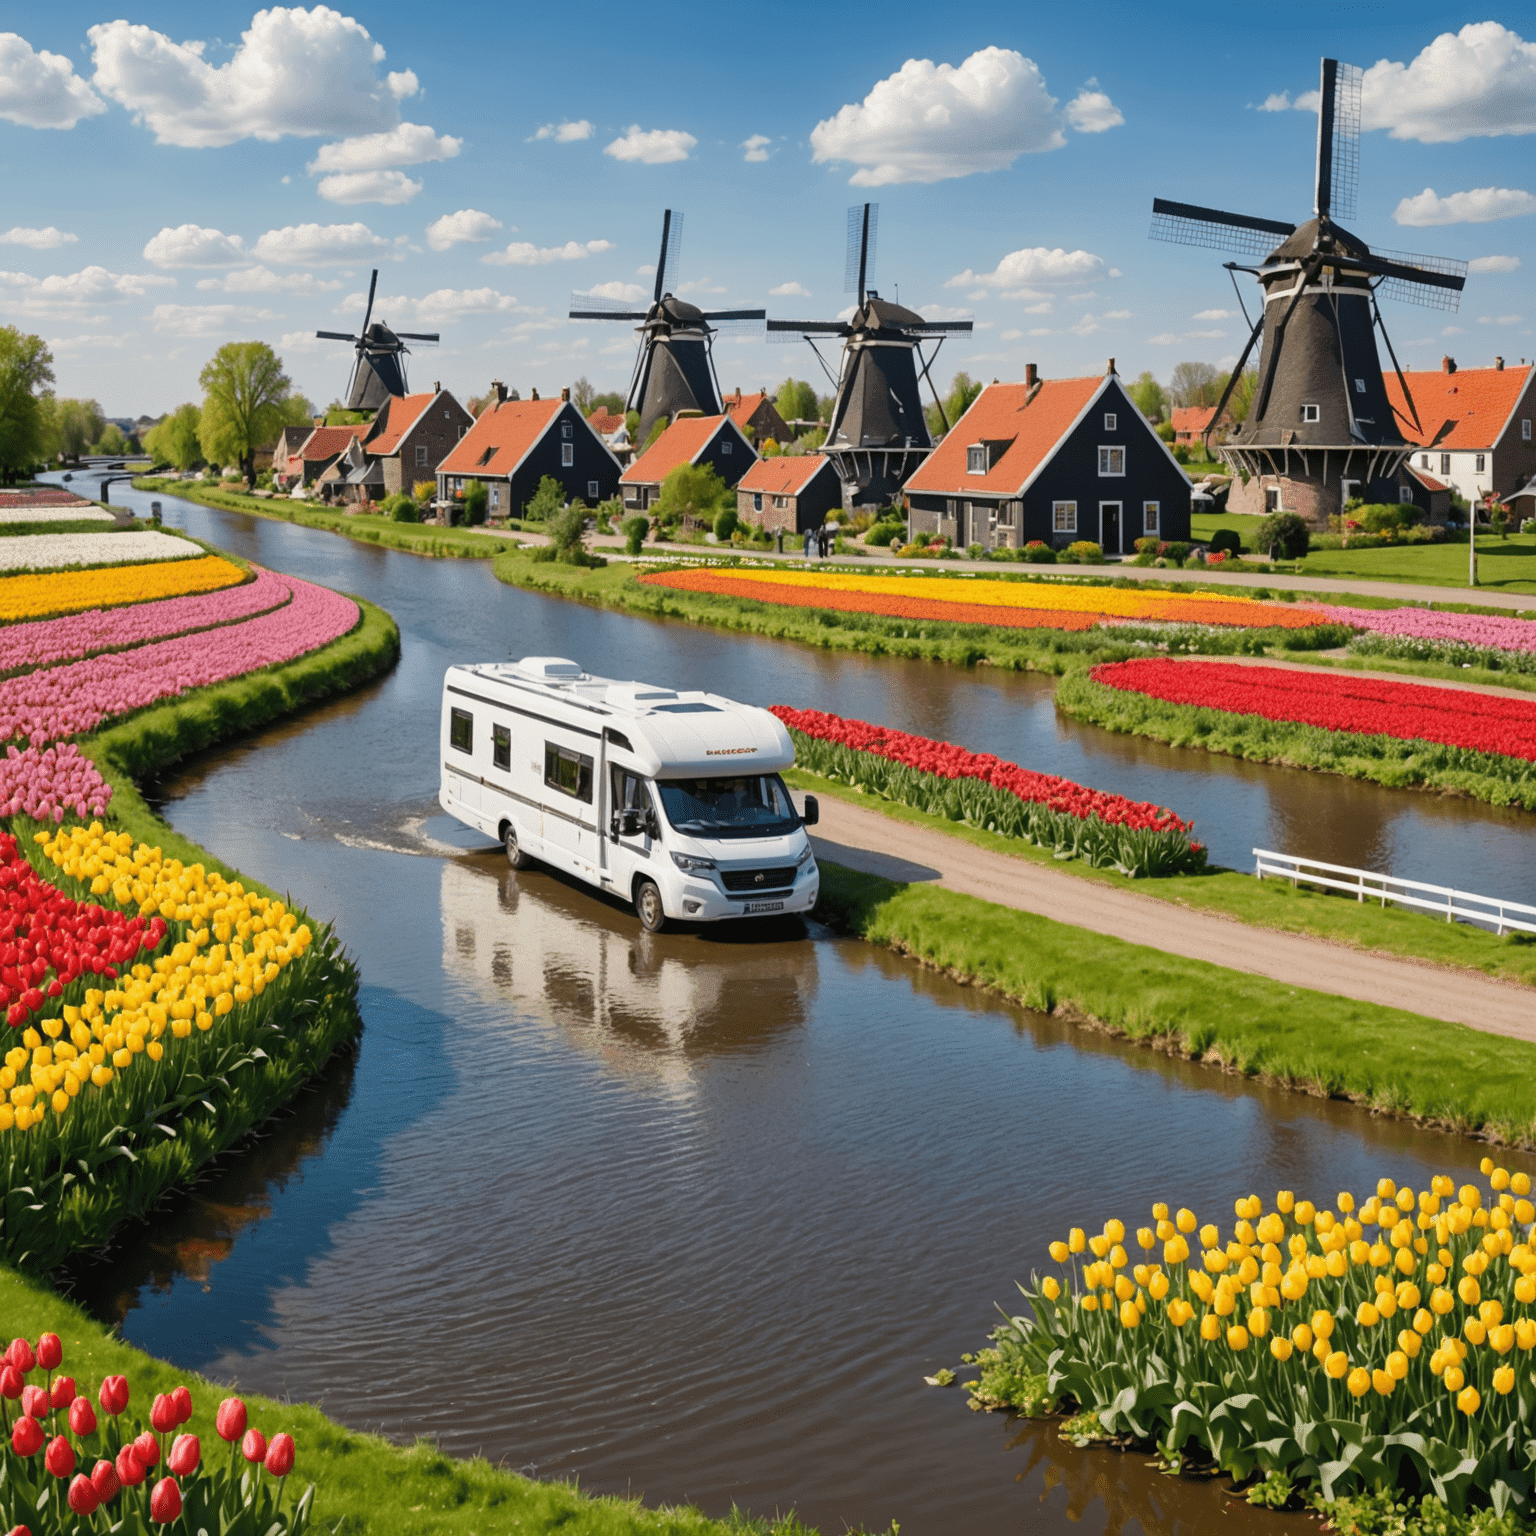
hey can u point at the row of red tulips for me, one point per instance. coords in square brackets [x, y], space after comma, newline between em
[56, 1435]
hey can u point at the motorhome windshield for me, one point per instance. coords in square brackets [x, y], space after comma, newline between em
[754, 806]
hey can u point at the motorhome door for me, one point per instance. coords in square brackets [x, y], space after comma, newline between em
[631, 825]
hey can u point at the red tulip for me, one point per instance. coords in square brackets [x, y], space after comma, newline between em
[107, 1482]
[129, 1468]
[230, 1419]
[82, 1417]
[59, 1458]
[20, 1355]
[253, 1447]
[147, 1449]
[114, 1394]
[182, 1400]
[21, 1530]
[163, 1414]
[83, 1498]
[34, 1402]
[280, 1455]
[27, 1436]
[186, 1452]
[165, 1502]
[62, 1393]
[10, 1381]
[49, 1351]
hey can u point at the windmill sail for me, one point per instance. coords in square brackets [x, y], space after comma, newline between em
[379, 371]
[1338, 140]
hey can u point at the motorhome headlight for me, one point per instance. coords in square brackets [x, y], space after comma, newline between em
[805, 853]
[687, 863]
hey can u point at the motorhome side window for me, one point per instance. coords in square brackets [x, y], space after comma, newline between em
[569, 772]
[501, 747]
[461, 730]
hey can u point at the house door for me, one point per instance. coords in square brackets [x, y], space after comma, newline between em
[1109, 527]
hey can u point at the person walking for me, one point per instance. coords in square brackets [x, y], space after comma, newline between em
[810, 544]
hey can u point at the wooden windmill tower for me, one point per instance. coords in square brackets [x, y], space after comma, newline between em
[675, 366]
[1320, 428]
[878, 435]
[380, 368]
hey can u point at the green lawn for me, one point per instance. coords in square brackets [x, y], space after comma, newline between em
[1503, 564]
[1203, 524]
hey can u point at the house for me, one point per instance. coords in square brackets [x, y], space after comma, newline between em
[758, 417]
[1522, 503]
[795, 492]
[1489, 414]
[412, 435]
[355, 477]
[713, 440]
[319, 451]
[514, 443]
[1051, 459]
[1432, 497]
[605, 422]
[1191, 421]
[287, 468]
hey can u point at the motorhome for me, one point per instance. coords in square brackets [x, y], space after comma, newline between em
[669, 800]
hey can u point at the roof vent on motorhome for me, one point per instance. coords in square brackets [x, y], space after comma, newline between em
[550, 669]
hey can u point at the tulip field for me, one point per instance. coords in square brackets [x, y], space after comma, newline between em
[1104, 830]
[1384, 1340]
[54, 592]
[43, 551]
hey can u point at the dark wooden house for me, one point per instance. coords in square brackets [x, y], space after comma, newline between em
[758, 417]
[413, 434]
[713, 440]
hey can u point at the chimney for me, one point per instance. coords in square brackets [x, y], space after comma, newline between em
[1111, 367]
[565, 395]
[499, 390]
[1498, 363]
[533, 394]
[437, 386]
[1448, 365]
[1030, 376]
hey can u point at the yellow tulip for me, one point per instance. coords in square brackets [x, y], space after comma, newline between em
[1201, 1285]
[1454, 1378]
[1469, 1401]
[1322, 1324]
[1504, 1381]
[1383, 1381]
[1337, 1364]
[1224, 1305]
[1525, 1333]
[1124, 1290]
[1441, 1301]
[1088, 1302]
[1209, 1236]
[1301, 1337]
[1469, 1290]
[1179, 1312]
[1410, 1343]
[1186, 1220]
[1114, 1230]
[1304, 1213]
[1258, 1322]
[1280, 1347]
[1520, 1183]
[1367, 1315]
[1210, 1327]
[1076, 1242]
[1098, 1245]
[1475, 1330]
[1058, 1252]
[1160, 1211]
[1146, 1237]
[1157, 1285]
[1050, 1288]
[1237, 1338]
[1118, 1256]
[1175, 1251]
[1285, 1202]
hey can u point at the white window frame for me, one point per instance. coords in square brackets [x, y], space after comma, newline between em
[567, 455]
[495, 491]
[594, 490]
[757, 501]
[1424, 461]
[1445, 463]
[1151, 517]
[421, 455]
[1109, 455]
[565, 430]
[1359, 386]
[726, 446]
[1272, 490]
[1111, 422]
[1404, 493]
[1311, 413]
[1063, 517]
[976, 459]
[1482, 463]
[780, 502]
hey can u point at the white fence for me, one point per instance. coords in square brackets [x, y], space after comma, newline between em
[1363, 884]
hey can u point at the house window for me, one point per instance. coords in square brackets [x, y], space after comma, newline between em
[1111, 461]
[1525, 429]
[565, 429]
[1111, 421]
[421, 455]
[1311, 413]
[1359, 386]
[495, 496]
[594, 490]
[487, 456]
[976, 460]
[567, 455]
[757, 501]
[726, 447]
[569, 772]
[780, 502]
[1445, 463]
[1149, 510]
[501, 748]
[949, 509]
[1482, 462]
[462, 431]
[1271, 498]
[1405, 493]
[1064, 516]
[461, 730]
[1424, 462]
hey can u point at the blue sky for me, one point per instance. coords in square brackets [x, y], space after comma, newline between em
[178, 176]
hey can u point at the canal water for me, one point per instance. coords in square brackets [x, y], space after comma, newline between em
[691, 1216]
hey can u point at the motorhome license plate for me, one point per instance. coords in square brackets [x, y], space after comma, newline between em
[762, 906]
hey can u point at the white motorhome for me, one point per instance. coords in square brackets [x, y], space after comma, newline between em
[669, 800]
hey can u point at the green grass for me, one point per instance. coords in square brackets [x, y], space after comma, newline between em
[1507, 565]
[1203, 524]
[1387, 1059]
[74, 525]
[369, 528]
[365, 1484]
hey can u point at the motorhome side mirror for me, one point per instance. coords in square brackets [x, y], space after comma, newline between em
[812, 813]
[629, 823]
[652, 826]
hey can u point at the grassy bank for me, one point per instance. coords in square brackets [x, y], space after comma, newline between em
[1385, 1059]
[369, 528]
[1508, 565]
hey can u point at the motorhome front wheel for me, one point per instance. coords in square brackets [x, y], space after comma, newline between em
[648, 907]
[515, 855]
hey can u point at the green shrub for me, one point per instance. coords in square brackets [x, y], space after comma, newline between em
[1037, 552]
[1083, 552]
[975, 551]
[402, 509]
[1383, 517]
[884, 534]
[1177, 552]
[726, 523]
[1282, 535]
[1225, 541]
[634, 530]
[475, 499]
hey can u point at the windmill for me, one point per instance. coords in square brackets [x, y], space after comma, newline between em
[1320, 428]
[675, 366]
[878, 434]
[380, 368]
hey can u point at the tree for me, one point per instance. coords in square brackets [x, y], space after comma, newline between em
[76, 424]
[1241, 402]
[963, 390]
[796, 401]
[475, 498]
[173, 439]
[111, 442]
[582, 395]
[246, 396]
[612, 402]
[1149, 397]
[1283, 536]
[26, 382]
[565, 527]
[692, 490]
[1196, 384]
[547, 500]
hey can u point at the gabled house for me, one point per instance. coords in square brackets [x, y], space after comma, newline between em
[605, 422]
[514, 443]
[413, 434]
[1489, 447]
[1189, 423]
[319, 451]
[1051, 459]
[287, 466]
[758, 417]
[713, 440]
[1432, 497]
[355, 477]
[795, 492]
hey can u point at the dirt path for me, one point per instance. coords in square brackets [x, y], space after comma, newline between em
[874, 844]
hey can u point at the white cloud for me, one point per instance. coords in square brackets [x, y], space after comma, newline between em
[1177, 338]
[1012, 335]
[190, 245]
[523, 253]
[37, 239]
[1082, 298]
[325, 245]
[441, 306]
[1482, 205]
[402, 83]
[651, 146]
[565, 133]
[391, 187]
[66, 294]
[294, 72]
[756, 147]
[303, 341]
[65, 345]
[943, 312]
[1502, 320]
[265, 280]
[1276, 101]
[1214, 314]
[1164, 339]
[1476, 83]
[626, 293]
[928, 122]
[1033, 264]
[1093, 111]
[466, 227]
[206, 319]
[1042, 330]
[405, 144]
[699, 285]
[1117, 314]
[1494, 264]
[789, 291]
[646, 271]
[1044, 307]
[42, 90]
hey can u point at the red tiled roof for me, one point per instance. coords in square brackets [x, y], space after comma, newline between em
[1478, 400]
[1424, 480]
[999, 414]
[1192, 418]
[605, 422]
[404, 412]
[507, 430]
[324, 442]
[783, 475]
[681, 443]
[741, 408]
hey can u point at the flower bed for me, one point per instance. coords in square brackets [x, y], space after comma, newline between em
[74, 512]
[1386, 1341]
[34, 597]
[48, 550]
[45, 783]
[1107, 831]
[1483, 631]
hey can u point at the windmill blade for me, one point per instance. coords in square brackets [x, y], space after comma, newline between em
[1189, 224]
[1432, 282]
[418, 335]
[1397, 368]
[336, 336]
[808, 327]
[596, 306]
[941, 327]
[735, 314]
[1338, 140]
[372, 288]
[859, 264]
[671, 256]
